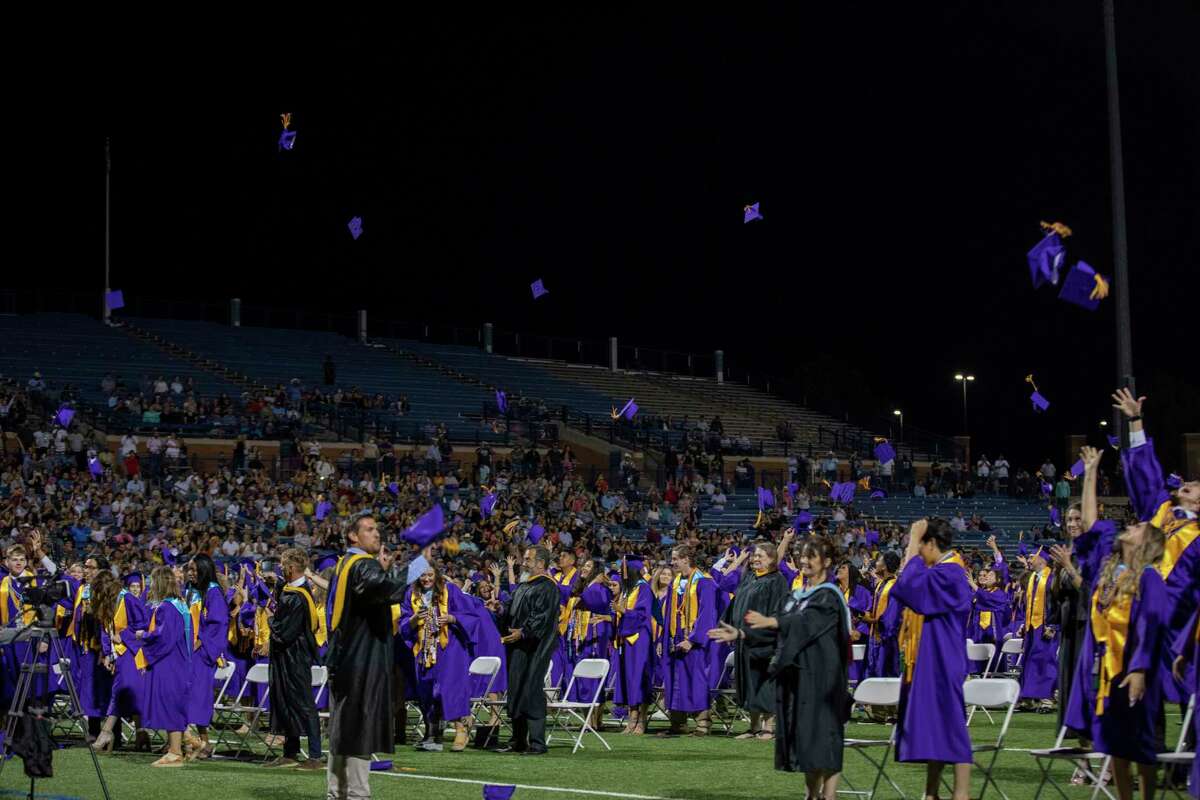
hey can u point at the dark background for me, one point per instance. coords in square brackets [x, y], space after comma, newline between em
[903, 157]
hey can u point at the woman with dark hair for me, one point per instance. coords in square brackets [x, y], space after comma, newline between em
[634, 684]
[934, 587]
[1071, 597]
[122, 615]
[858, 597]
[590, 627]
[167, 650]
[210, 633]
[883, 651]
[432, 624]
[809, 670]
[84, 633]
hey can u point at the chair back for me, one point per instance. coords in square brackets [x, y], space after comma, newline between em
[1013, 646]
[259, 673]
[994, 693]
[878, 692]
[859, 651]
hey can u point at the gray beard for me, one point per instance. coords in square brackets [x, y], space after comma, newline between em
[524, 576]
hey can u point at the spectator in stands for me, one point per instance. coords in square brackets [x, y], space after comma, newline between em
[330, 370]
[1048, 471]
[958, 523]
[919, 489]
[829, 467]
[1000, 474]
[1062, 494]
[176, 386]
[983, 471]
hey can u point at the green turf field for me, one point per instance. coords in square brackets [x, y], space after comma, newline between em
[715, 768]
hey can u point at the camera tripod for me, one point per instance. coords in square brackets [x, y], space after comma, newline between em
[37, 635]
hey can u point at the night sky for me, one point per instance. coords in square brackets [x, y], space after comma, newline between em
[903, 157]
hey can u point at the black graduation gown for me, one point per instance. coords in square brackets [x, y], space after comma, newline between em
[1074, 613]
[534, 609]
[293, 653]
[812, 698]
[755, 691]
[360, 663]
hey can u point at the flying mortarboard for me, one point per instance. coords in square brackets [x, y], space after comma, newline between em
[287, 140]
[64, 415]
[536, 533]
[792, 488]
[1040, 403]
[1174, 480]
[766, 498]
[538, 289]
[879, 494]
[842, 492]
[750, 212]
[1078, 468]
[803, 520]
[394, 488]
[511, 527]
[884, 452]
[95, 467]
[1084, 287]
[114, 300]
[1114, 441]
[1055, 517]
[501, 402]
[427, 528]
[872, 537]
[494, 791]
[487, 503]
[1046, 260]
[323, 509]
[628, 411]
[355, 226]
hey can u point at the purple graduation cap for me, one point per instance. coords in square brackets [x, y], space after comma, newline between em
[1046, 259]
[536, 533]
[792, 489]
[803, 520]
[95, 467]
[1114, 441]
[1040, 403]
[323, 509]
[766, 498]
[634, 565]
[1022, 550]
[168, 555]
[487, 503]
[842, 493]
[495, 791]
[884, 453]
[501, 402]
[628, 411]
[1174, 481]
[416, 568]
[287, 140]
[1046, 488]
[427, 528]
[325, 562]
[64, 415]
[355, 226]
[394, 488]
[1084, 287]
[114, 300]
[538, 289]
[872, 537]
[879, 494]
[1055, 517]
[134, 577]
[750, 212]
[382, 765]
[1078, 468]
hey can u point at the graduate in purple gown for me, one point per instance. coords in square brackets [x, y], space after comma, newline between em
[634, 686]
[124, 615]
[660, 586]
[483, 640]
[590, 630]
[727, 573]
[991, 614]
[859, 599]
[167, 650]
[1178, 516]
[93, 681]
[1126, 634]
[12, 615]
[883, 648]
[210, 633]
[430, 626]
[565, 577]
[936, 592]
[1187, 653]
[689, 614]
[1039, 664]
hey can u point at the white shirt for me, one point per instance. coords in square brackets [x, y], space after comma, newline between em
[229, 547]
[41, 438]
[1001, 468]
[128, 444]
[154, 445]
[60, 441]
[176, 387]
[160, 387]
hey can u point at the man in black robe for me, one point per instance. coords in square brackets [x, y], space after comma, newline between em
[294, 651]
[360, 661]
[762, 589]
[530, 626]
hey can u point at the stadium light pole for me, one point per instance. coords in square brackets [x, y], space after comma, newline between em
[107, 181]
[900, 414]
[964, 379]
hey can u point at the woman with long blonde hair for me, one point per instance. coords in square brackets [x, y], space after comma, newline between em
[167, 651]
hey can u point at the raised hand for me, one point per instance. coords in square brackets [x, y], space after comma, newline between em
[724, 633]
[1124, 400]
[1091, 457]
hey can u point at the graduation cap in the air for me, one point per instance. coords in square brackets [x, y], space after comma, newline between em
[791, 489]
[879, 494]
[538, 289]
[872, 537]
[884, 452]
[511, 526]
[1174, 481]
[803, 520]
[1078, 468]
[495, 791]
[501, 402]
[1046, 488]
[1046, 260]
[487, 503]
[766, 498]
[323, 509]
[168, 555]
[394, 488]
[628, 411]
[287, 140]
[64, 416]
[1040, 403]
[114, 299]
[355, 226]
[95, 467]
[842, 492]
[427, 528]
[1084, 287]
[416, 568]
[750, 212]
[1055, 517]
[536, 532]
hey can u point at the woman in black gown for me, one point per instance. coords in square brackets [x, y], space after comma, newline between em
[812, 701]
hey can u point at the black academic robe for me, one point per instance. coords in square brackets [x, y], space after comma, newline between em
[1074, 614]
[810, 671]
[360, 663]
[534, 609]
[293, 654]
[755, 691]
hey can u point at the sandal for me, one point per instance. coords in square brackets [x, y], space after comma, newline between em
[169, 760]
[747, 735]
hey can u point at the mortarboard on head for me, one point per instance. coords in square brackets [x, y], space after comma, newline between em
[64, 416]
[879, 494]
[1078, 468]
[766, 498]
[427, 528]
[750, 212]
[416, 568]
[538, 289]
[487, 504]
[95, 467]
[634, 566]
[324, 562]
[114, 299]
[536, 533]
[355, 226]
[134, 577]
[1084, 287]
[287, 140]
[1174, 480]
[501, 402]
[884, 452]
[1046, 260]
[493, 791]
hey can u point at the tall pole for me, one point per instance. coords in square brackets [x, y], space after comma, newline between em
[966, 427]
[107, 182]
[1117, 178]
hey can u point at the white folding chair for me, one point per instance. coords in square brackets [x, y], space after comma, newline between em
[725, 698]
[985, 653]
[488, 666]
[1014, 646]
[1179, 756]
[1081, 758]
[62, 712]
[874, 692]
[320, 679]
[258, 675]
[224, 710]
[588, 669]
[988, 693]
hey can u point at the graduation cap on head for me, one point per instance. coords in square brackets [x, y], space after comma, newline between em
[64, 416]
[355, 226]
[1084, 287]
[325, 561]
[633, 565]
[416, 568]
[884, 452]
[287, 140]
[114, 299]
[538, 289]
[842, 492]
[427, 528]
[1040, 403]
[750, 212]
[766, 498]
[495, 791]
[879, 494]
[501, 402]
[1174, 481]
[536, 532]
[1078, 468]
[135, 577]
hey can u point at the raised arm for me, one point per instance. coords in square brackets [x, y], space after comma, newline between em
[1143, 474]
[1091, 468]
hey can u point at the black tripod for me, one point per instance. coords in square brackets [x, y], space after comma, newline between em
[37, 635]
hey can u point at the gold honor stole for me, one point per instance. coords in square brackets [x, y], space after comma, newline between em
[912, 624]
[7, 591]
[1035, 601]
[685, 613]
[339, 596]
[1110, 627]
[882, 592]
[443, 607]
[1180, 534]
[630, 604]
[564, 615]
[120, 623]
[315, 618]
[92, 646]
[985, 617]
[798, 582]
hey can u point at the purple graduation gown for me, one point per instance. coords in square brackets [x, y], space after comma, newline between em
[483, 639]
[932, 725]
[883, 649]
[686, 682]
[445, 686]
[1187, 644]
[1039, 664]
[560, 667]
[860, 602]
[129, 682]
[595, 642]
[996, 604]
[718, 652]
[168, 652]
[92, 681]
[635, 661]
[214, 635]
